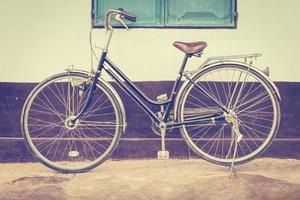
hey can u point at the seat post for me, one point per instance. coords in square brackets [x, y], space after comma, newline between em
[185, 59]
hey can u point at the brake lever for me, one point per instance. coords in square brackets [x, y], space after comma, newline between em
[119, 18]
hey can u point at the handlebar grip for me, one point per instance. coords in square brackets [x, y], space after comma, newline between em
[130, 16]
[127, 15]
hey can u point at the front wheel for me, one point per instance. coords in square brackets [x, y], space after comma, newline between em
[252, 102]
[72, 147]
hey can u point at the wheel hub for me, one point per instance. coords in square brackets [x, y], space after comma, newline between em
[70, 124]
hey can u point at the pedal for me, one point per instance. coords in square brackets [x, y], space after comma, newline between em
[163, 155]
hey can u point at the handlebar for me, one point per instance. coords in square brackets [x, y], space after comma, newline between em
[119, 15]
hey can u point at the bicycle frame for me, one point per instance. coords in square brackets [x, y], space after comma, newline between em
[133, 91]
[140, 98]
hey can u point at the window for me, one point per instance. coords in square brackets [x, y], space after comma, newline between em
[171, 13]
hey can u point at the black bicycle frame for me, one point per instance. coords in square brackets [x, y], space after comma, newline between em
[139, 97]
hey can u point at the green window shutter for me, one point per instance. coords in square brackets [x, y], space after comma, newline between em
[170, 13]
[150, 13]
[200, 13]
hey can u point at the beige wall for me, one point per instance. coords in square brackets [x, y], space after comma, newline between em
[40, 37]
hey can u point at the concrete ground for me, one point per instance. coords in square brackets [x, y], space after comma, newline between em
[264, 179]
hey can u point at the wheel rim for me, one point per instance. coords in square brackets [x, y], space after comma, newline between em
[252, 102]
[61, 144]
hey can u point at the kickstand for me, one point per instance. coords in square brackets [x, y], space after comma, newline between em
[236, 137]
[232, 174]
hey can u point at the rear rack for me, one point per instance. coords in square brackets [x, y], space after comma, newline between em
[232, 57]
[245, 58]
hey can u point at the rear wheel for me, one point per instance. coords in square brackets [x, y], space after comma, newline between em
[252, 101]
[56, 141]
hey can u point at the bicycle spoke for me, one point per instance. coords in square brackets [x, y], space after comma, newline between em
[46, 107]
[206, 128]
[255, 124]
[216, 141]
[255, 117]
[234, 90]
[83, 144]
[240, 91]
[251, 138]
[93, 141]
[255, 99]
[59, 135]
[92, 106]
[55, 95]
[82, 101]
[210, 139]
[249, 93]
[223, 87]
[215, 86]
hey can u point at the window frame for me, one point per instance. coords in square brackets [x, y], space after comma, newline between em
[164, 19]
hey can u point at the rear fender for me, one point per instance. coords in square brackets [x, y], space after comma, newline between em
[192, 74]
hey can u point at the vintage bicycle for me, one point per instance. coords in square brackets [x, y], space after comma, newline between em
[227, 110]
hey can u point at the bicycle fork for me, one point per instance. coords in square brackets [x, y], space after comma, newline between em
[91, 91]
[72, 121]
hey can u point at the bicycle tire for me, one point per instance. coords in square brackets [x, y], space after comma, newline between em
[72, 149]
[211, 140]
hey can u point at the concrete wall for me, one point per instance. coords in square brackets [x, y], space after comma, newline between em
[41, 37]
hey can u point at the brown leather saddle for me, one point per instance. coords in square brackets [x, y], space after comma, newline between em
[191, 47]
